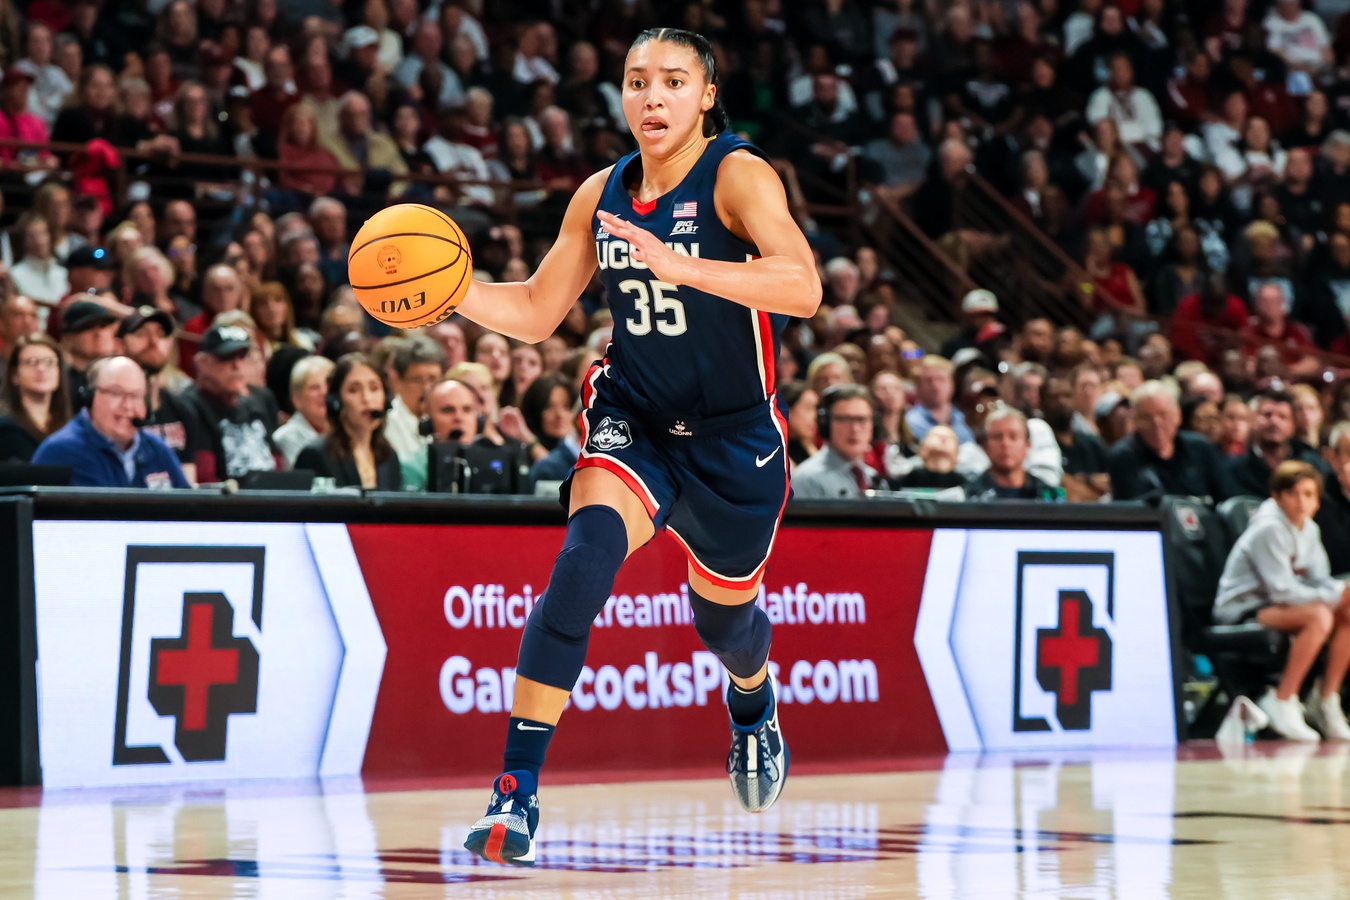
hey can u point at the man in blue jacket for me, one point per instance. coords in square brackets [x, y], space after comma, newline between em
[104, 445]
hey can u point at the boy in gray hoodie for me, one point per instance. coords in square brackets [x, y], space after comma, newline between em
[1278, 575]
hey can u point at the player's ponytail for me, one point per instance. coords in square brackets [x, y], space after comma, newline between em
[715, 120]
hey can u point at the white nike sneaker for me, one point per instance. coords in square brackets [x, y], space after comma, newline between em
[1327, 715]
[1286, 717]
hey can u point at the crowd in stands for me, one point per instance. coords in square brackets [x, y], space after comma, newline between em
[1192, 156]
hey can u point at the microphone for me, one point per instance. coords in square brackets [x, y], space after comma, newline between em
[457, 435]
[377, 413]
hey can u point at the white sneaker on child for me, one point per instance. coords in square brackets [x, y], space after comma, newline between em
[1327, 715]
[1286, 717]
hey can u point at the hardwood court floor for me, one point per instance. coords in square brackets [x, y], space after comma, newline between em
[1270, 822]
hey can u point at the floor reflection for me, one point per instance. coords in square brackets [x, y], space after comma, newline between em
[1125, 825]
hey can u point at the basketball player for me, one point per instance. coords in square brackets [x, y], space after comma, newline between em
[702, 265]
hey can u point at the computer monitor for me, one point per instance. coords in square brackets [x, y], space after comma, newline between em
[25, 474]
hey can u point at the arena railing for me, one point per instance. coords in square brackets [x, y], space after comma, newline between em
[1044, 278]
[156, 170]
[927, 278]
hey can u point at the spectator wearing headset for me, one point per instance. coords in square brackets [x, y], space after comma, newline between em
[104, 445]
[454, 414]
[35, 398]
[847, 423]
[309, 396]
[355, 452]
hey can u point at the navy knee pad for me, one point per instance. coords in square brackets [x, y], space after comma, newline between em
[738, 635]
[553, 646]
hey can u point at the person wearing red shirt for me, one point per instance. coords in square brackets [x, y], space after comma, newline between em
[16, 122]
[270, 102]
[1197, 317]
[298, 145]
[1113, 287]
[1187, 99]
[1269, 324]
[1138, 202]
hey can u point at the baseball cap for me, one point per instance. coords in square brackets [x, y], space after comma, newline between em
[143, 314]
[979, 300]
[224, 341]
[982, 387]
[18, 71]
[85, 314]
[1107, 403]
[92, 257]
[966, 355]
[360, 36]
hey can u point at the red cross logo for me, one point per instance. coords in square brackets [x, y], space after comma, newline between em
[203, 676]
[1073, 660]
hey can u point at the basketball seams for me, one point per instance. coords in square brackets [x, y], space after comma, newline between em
[390, 284]
[430, 319]
[399, 234]
[404, 234]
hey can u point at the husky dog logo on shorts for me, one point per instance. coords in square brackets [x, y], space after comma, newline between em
[611, 435]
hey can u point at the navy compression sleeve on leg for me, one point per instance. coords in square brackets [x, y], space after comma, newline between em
[738, 635]
[553, 647]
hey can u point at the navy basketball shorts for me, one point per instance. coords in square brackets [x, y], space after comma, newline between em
[718, 486]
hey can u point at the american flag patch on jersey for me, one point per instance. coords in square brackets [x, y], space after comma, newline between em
[685, 210]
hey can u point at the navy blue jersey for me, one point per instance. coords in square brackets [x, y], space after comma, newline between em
[677, 350]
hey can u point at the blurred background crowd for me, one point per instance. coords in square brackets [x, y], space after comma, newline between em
[181, 182]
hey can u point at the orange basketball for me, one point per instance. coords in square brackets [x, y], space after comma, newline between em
[410, 265]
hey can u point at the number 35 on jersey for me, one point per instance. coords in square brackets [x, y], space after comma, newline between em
[655, 303]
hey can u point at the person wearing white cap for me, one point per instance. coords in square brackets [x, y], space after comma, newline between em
[375, 15]
[361, 55]
[979, 308]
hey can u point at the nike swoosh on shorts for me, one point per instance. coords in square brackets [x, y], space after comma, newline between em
[760, 462]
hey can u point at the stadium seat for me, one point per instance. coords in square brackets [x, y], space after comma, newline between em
[1236, 512]
[1199, 539]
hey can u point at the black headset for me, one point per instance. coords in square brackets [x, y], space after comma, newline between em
[425, 428]
[837, 393]
[333, 401]
[84, 392]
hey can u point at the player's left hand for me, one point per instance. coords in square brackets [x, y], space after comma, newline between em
[647, 248]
